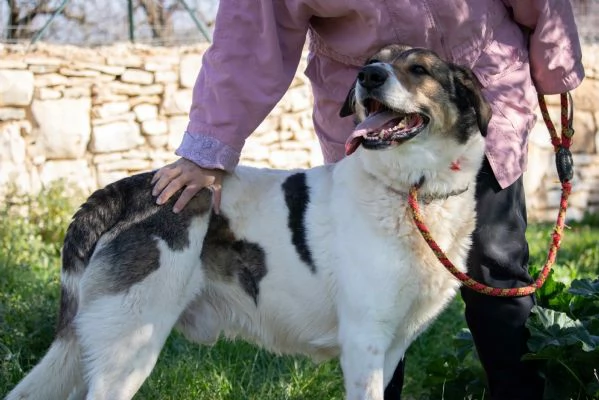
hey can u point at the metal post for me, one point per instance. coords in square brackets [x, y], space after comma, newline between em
[199, 24]
[131, 22]
[39, 33]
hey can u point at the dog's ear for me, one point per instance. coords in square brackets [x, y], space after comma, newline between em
[469, 96]
[348, 105]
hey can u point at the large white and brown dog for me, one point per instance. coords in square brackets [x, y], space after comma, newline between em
[324, 262]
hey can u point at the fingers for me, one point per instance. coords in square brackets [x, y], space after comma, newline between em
[163, 177]
[216, 196]
[186, 195]
[171, 188]
[186, 175]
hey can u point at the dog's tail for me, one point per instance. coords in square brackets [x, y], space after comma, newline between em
[58, 374]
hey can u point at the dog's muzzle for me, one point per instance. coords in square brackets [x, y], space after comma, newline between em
[383, 126]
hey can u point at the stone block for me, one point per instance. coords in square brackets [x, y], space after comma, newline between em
[12, 144]
[269, 124]
[12, 64]
[297, 99]
[176, 128]
[129, 60]
[49, 80]
[540, 161]
[131, 89]
[124, 165]
[62, 126]
[74, 172]
[165, 76]
[129, 117]
[254, 151]
[137, 76]
[11, 113]
[76, 92]
[43, 69]
[116, 136]
[14, 177]
[150, 99]
[16, 88]
[289, 159]
[105, 69]
[108, 177]
[154, 127]
[585, 132]
[157, 142]
[84, 73]
[44, 93]
[585, 96]
[177, 102]
[189, 69]
[145, 112]
[108, 110]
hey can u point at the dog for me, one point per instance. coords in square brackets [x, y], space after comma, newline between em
[324, 262]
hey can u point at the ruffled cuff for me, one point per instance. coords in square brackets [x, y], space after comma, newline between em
[208, 152]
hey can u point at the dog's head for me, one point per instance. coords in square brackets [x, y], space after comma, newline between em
[411, 102]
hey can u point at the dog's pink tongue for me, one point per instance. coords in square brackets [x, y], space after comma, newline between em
[373, 123]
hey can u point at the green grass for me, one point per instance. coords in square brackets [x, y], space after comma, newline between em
[29, 287]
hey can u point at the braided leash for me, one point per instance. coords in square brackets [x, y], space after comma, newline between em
[564, 165]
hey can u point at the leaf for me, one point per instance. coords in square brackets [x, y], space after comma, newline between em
[553, 294]
[554, 328]
[585, 288]
[464, 344]
[584, 309]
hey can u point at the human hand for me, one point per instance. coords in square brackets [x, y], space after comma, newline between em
[184, 173]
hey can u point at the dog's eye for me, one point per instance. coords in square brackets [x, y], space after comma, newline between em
[418, 70]
[373, 61]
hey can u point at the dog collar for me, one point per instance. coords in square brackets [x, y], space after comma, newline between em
[428, 198]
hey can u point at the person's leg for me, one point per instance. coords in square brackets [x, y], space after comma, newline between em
[499, 257]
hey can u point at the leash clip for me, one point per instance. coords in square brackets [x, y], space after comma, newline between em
[564, 164]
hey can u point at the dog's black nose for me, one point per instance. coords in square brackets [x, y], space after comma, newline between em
[372, 76]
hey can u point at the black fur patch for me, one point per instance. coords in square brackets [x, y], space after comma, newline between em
[126, 213]
[472, 106]
[224, 257]
[297, 197]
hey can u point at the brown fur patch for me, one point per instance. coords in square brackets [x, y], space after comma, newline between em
[226, 258]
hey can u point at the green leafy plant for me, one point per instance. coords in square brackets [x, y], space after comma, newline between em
[455, 373]
[565, 340]
[31, 235]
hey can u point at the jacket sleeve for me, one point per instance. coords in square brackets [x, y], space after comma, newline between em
[257, 45]
[554, 47]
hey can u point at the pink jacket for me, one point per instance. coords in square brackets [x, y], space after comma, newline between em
[258, 43]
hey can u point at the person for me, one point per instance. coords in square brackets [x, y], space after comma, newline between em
[516, 48]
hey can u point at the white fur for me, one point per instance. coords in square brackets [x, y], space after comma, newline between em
[376, 287]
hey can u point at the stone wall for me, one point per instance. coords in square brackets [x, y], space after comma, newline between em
[92, 116]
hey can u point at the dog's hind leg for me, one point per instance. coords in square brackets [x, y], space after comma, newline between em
[123, 333]
[120, 346]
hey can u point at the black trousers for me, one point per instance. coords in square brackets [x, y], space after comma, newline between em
[499, 257]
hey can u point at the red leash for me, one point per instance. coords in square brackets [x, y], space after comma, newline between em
[564, 165]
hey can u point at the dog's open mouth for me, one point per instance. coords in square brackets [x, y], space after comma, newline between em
[384, 127]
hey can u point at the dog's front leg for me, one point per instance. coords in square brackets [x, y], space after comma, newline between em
[362, 360]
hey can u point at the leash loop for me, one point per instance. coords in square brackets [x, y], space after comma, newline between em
[565, 169]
